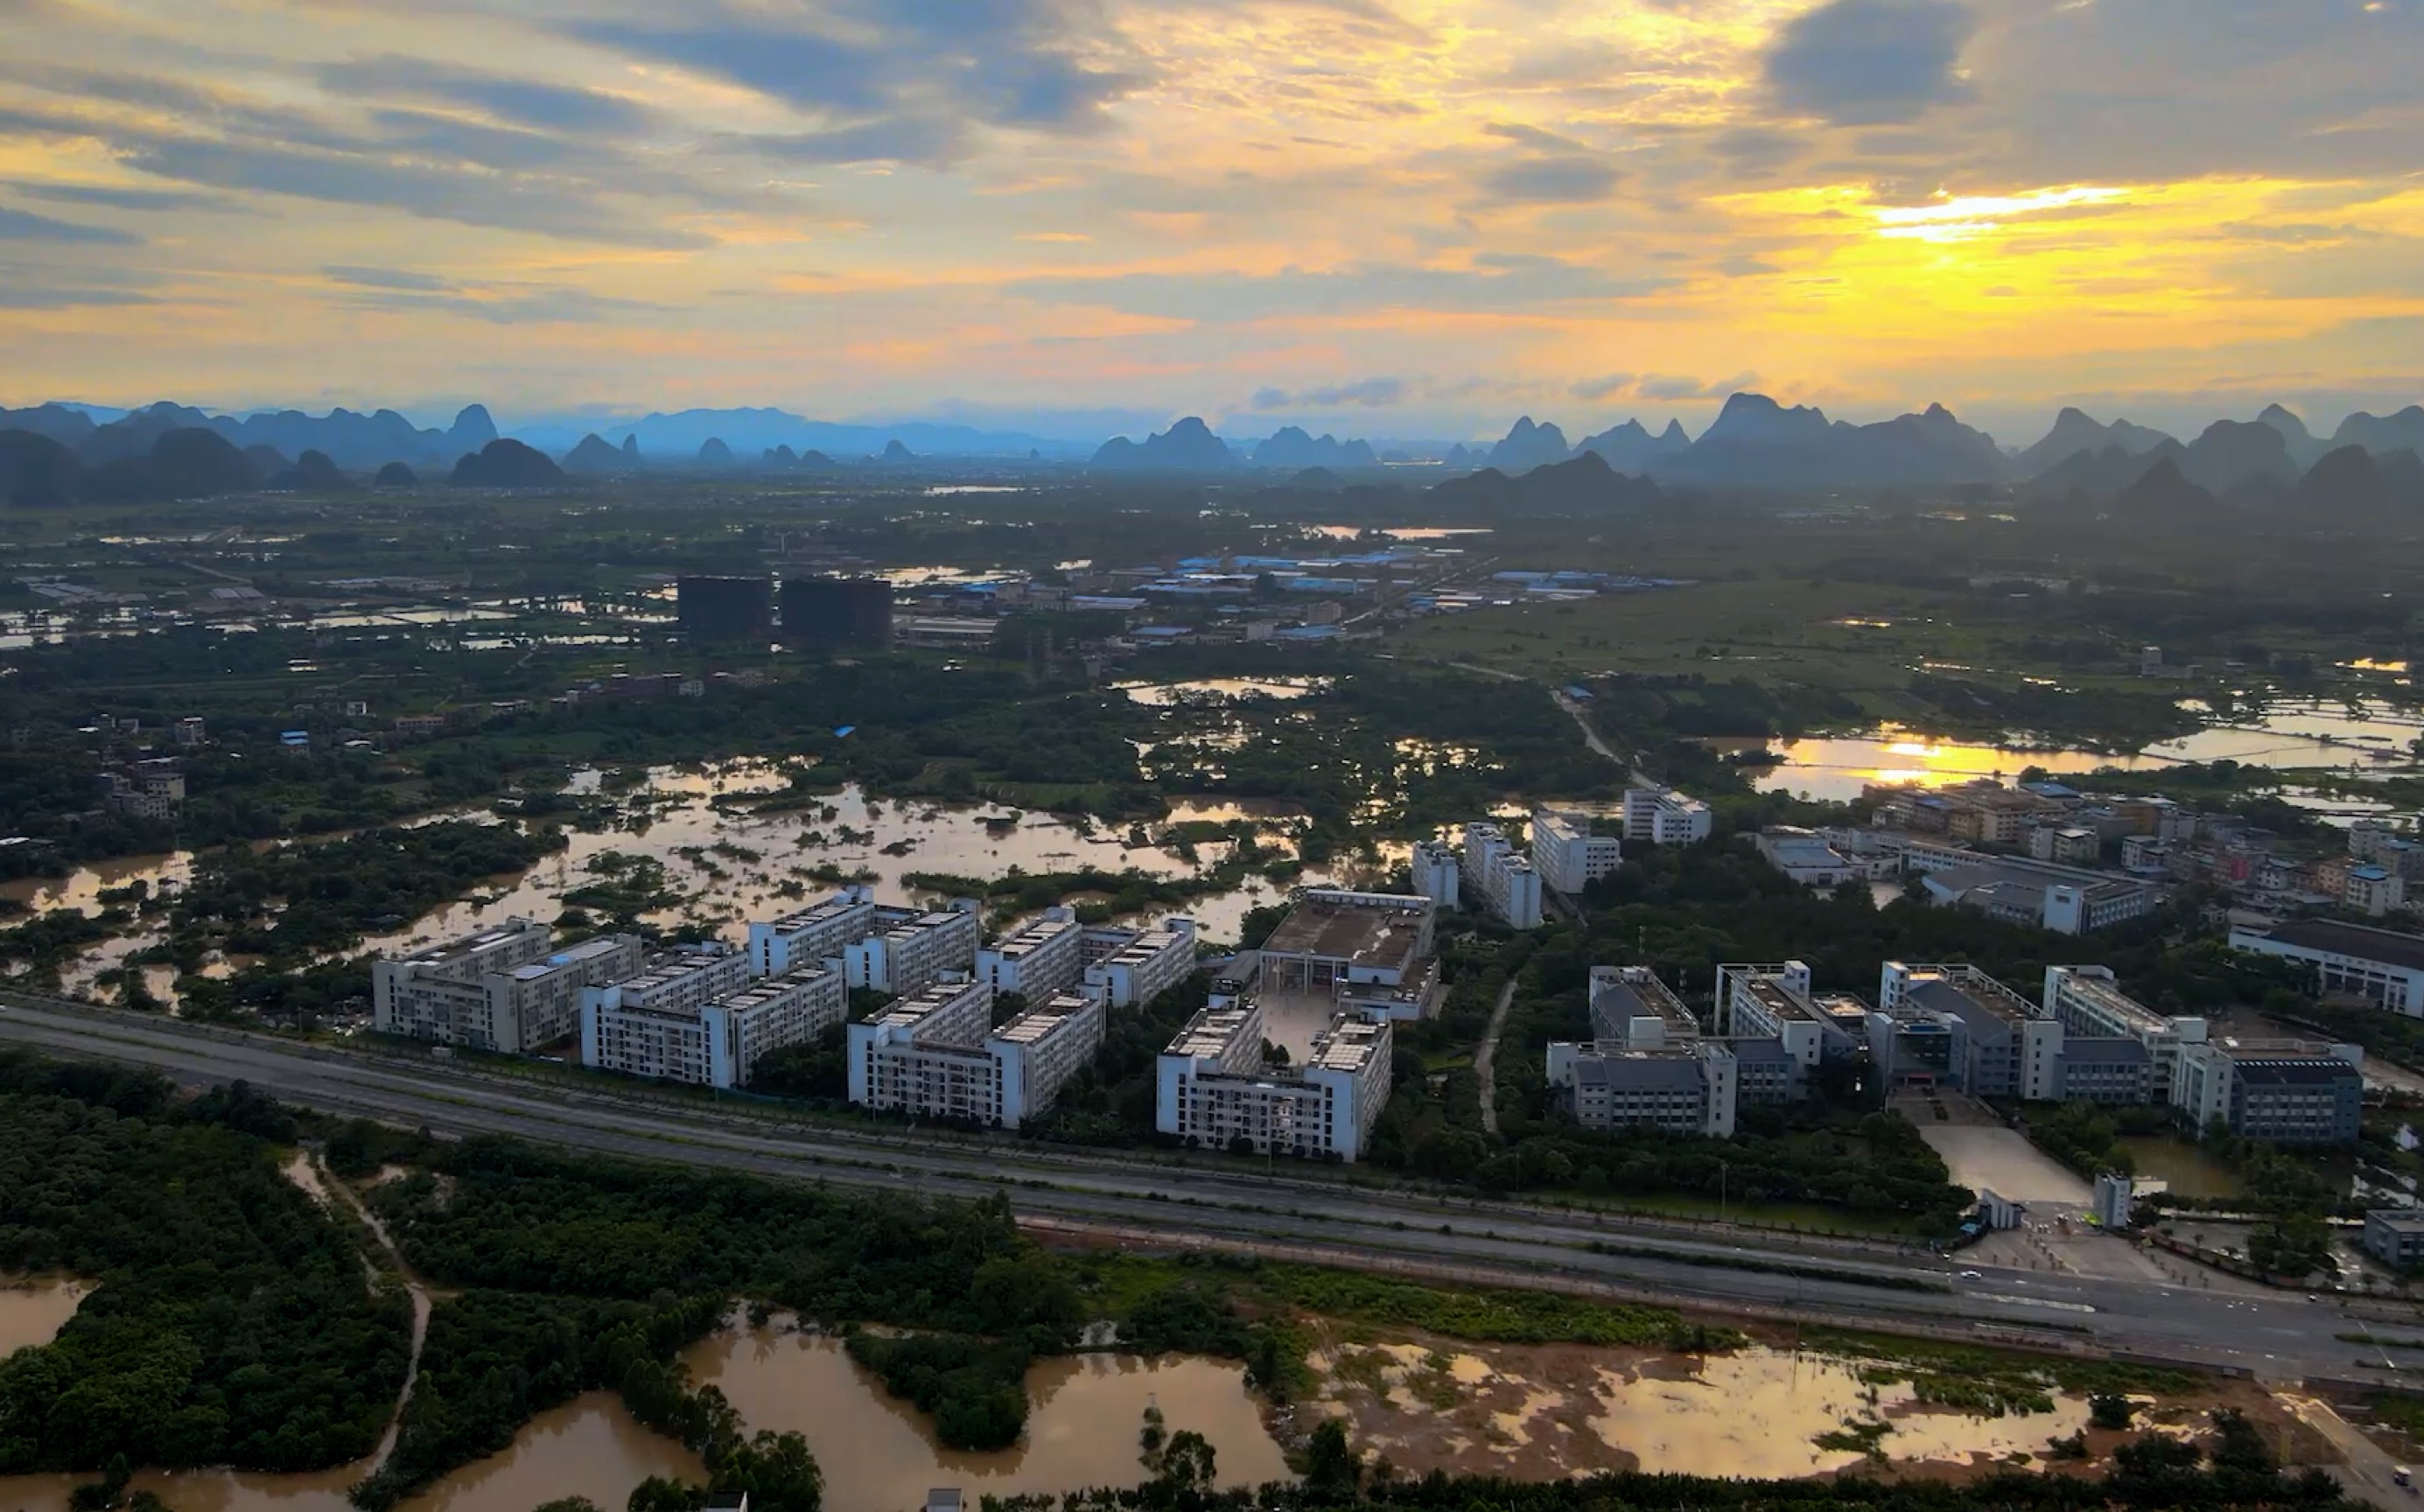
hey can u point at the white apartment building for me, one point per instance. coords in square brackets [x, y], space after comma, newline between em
[1501, 877]
[1437, 874]
[1661, 816]
[925, 1053]
[1688, 1088]
[813, 934]
[2088, 1003]
[684, 981]
[505, 990]
[1037, 961]
[929, 1054]
[670, 1037]
[910, 950]
[1213, 1089]
[1145, 967]
[1567, 855]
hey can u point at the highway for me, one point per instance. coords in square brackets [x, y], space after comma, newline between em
[1124, 1199]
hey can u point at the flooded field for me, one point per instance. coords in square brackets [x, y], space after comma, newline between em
[32, 1312]
[2374, 736]
[1990, 1155]
[1164, 695]
[1545, 1412]
[1081, 1429]
[2187, 1169]
[728, 860]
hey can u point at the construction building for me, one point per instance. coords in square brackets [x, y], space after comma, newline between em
[930, 1054]
[1567, 855]
[1501, 877]
[1214, 1089]
[2385, 967]
[507, 989]
[1685, 1088]
[808, 936]
[725, 609]
[1661, 816]
[1147, 965]
[910, 949]
[837, 612]
[1039, 959]
[668, 1034]
[1370, 953]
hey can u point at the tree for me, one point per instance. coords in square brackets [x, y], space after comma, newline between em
[2110, 1409]
[1331, 1466]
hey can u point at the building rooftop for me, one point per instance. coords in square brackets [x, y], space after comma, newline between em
[1375, 936]
[1639, 1070]
[571, 955]
[1210, 1033]
[1635, 991]
[766, 988]
[799, 919]
[468, 945]
[2389, 946]
[2105, 1052]
[2399, 1220]
[1348, 1046]
[1034, 937]
[1042, 1022]
[910, 1012]
[1969, 993]
[2117, 1003]
[2264, 1070]
[661, 973]
[1146, 946]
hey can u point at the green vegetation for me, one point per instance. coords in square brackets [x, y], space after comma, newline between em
[233, 1326]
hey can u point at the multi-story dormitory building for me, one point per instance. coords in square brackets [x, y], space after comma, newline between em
[1945, 1025]
[1499, 877]
[507, 989]
[912, 948]
[1214, 1088]
[931, 1054]
[707, 1041]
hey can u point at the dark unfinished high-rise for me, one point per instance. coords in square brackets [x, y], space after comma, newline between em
[725, 609]
[837, 612]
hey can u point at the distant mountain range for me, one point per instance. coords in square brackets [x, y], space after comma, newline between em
[1755, 444]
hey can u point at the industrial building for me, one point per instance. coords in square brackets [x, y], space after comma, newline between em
[1214, 1090]
[1687, 1087]
[665, 1031]
[1147, 965]
[506, 989]
[1039, 959]
[2384, 967]
[809, 935]
[725, 609]
[1661, 816]
[930, 1054]
[910, 949]
[1437, 875]
[1501, 877]
[1368, 952]
[837, 612]
[1567, 855]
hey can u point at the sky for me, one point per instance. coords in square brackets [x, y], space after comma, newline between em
[1384, 217]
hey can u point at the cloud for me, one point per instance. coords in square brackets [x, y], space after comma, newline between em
[388, 278]
[522, 101]
[25, 226]
[499, 304]
[123, 197]
[17, 295]
[1563, 180]
[1602, 386]
[1867, 62]
[1495, 282]
[900, 79]
[1671, 387]
[1370, 394]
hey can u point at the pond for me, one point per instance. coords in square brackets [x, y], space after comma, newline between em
[34, 1310]
[1082, 1431]
[2291, 734]
[2188, 1169]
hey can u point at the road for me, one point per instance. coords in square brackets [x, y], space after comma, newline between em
[1736, 1271]
[1485, 1056]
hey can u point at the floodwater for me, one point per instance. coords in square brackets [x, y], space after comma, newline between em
[1163, 694]
[590, 1446]
[32, 1312]
[1984, 1157]
[1544, 1411]
[678, 817]
[1084, 1413]
[2187, 1171]
[2372, 735]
